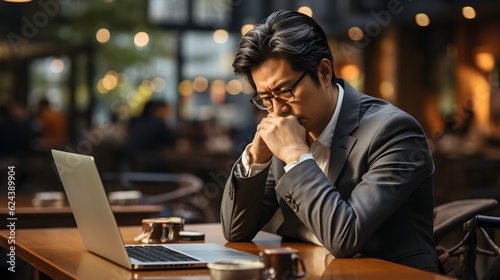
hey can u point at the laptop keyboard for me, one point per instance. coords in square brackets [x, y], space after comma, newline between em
[156, 254]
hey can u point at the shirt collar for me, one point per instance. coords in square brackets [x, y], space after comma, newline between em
[326, 137]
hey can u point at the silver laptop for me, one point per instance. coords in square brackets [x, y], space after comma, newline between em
[100, 233]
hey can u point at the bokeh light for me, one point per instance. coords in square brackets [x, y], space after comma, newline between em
[234, 87]
[485, 61]
[100, 87]
[422, 19]
[245, 28]
[102, 35]
[247, 88]
[220, 36]
[185, 88]
[386, 89]
[200, 84]
[110, 80]
[158, 84]
[355, 33]
[141, 39]
[350, 72]
[57, 66]
[306, 11]
[468, 12]
[218, 91]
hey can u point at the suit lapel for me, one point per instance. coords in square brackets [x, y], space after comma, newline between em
[341, 147]
[348, 121]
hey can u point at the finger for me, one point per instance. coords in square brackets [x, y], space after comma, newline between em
[292, 117]
[266, 123]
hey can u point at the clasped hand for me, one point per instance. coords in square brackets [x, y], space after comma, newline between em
[284, 137]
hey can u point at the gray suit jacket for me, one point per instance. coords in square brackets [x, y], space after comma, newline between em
[377, 199]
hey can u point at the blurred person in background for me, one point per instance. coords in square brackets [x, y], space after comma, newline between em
[17, 130]
[328, 164]
[53, 126]
[110, 142]
[149, 136]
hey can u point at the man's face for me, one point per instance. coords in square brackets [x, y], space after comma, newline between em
[312, 105]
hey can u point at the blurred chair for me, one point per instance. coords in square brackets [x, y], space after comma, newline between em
[460, 260]
[177, 192]
[479, 223]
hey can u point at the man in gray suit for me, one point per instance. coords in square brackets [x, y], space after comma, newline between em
[328, 164]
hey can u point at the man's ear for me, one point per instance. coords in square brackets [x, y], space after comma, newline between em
[325, 72]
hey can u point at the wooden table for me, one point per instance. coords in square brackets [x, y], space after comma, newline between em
[29, 216]
[60, 253]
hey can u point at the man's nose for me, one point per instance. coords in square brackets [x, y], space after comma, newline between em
[279, 108]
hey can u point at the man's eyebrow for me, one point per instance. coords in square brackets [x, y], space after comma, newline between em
[276, 88]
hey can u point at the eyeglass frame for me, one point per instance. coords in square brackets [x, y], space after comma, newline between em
[290, 90]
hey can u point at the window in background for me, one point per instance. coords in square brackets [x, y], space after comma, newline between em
[168, 11]
[49, 79]
[209, 90]
[212, 12]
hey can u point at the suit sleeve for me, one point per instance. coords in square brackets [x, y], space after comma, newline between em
[248, 203]
[398, 160]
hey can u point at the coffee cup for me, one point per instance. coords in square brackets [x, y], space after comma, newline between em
[241, 270]
[282, 263]
[161, 230]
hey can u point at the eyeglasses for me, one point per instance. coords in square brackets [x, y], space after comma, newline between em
[283, 96]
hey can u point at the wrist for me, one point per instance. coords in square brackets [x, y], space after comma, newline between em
[254, 157]
[291, 165]
[296, 155]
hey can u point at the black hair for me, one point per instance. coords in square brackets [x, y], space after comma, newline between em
[291, 35]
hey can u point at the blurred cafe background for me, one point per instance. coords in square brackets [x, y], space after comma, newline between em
[147, 88]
